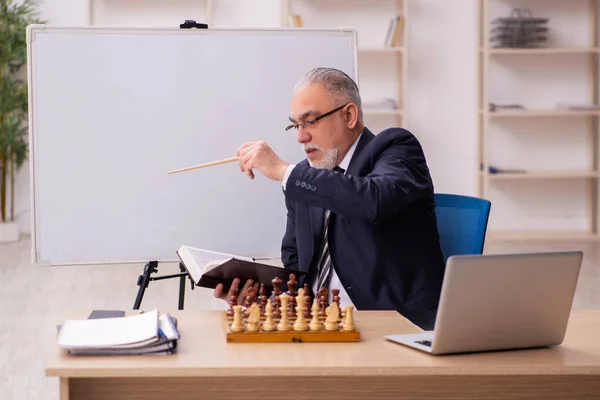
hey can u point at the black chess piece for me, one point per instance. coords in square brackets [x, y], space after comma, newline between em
[233, 299]
[262, 298]
[323, 292]
[307, 310]
[276, 292]
[292, 292]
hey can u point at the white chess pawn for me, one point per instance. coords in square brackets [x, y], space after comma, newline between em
[237, 325]
[284, 324]
[268, 325]
[315, 324]
[348, 323]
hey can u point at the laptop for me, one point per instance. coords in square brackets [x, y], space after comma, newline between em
[501, 302]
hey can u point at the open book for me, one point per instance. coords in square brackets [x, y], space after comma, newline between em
[209, 268]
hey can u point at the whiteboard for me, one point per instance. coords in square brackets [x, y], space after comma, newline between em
[113, 109]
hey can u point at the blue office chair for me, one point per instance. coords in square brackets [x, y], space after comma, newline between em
[462, 223]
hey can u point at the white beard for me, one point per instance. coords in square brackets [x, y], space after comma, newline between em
[328, 161]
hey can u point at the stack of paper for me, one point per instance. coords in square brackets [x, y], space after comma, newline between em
[146, 333]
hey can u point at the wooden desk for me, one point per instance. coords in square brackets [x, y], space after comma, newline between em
[206, 367]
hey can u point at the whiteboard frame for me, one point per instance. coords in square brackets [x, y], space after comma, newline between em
[34, 29]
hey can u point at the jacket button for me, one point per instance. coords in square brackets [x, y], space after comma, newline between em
[297, 183]
[313, 188]
[303, 184]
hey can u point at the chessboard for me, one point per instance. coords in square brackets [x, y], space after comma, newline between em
[290, 317]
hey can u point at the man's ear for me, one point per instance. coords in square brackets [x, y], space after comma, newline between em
[351, 115]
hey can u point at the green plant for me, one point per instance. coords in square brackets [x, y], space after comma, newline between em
[15, 15]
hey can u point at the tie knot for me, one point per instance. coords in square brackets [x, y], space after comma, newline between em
[338, 169]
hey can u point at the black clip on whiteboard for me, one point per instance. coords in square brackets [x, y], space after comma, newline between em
[190, 23]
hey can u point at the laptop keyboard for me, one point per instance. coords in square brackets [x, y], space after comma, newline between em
[424, 342]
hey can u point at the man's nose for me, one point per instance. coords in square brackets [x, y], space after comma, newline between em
[303, 135]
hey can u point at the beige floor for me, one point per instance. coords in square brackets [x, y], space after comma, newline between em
[33, 300]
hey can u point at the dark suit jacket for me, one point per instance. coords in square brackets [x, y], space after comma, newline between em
[383, 236]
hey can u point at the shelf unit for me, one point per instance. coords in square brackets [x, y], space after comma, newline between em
[208, 9]
[535, 117]
[368, 53]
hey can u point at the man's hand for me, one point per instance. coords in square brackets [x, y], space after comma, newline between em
[259, 155]
[219, 293]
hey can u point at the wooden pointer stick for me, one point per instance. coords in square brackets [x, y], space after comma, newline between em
[210, 164]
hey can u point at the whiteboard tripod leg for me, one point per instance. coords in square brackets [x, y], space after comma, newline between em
[144, 279]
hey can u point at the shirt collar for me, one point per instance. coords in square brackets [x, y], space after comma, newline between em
[346, 160]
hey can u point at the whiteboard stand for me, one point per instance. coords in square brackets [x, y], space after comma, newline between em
[144, 280]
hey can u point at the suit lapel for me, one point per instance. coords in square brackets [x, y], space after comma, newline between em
[317, 219]
[365, 139]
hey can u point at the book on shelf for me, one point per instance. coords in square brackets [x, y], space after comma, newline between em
[295, 21]
[394, 32]
[385, 104]
[505, 106]
[577, 106]
[208, 268]
[147, 333]
[496, 170]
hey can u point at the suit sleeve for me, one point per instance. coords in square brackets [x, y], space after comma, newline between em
[289, 249]
[399, 177]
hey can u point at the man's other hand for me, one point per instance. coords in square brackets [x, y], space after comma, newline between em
[220, 293]
[259, 155]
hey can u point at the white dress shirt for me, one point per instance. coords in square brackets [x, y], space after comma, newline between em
[334, 283]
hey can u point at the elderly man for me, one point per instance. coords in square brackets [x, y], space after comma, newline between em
[361, 211]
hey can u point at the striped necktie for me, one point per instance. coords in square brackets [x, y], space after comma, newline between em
[325, 265]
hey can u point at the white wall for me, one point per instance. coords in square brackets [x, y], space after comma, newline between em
[442, 90]
[442, 102]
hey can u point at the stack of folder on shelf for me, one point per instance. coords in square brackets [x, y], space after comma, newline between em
[145, 333]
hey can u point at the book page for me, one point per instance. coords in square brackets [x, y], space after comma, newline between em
[208, 260]
[199, 261]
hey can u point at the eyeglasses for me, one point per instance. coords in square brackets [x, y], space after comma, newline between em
[313, 122]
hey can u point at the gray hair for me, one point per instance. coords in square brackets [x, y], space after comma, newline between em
[336, 83]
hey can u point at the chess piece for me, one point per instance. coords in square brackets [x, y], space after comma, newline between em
[292, 284]
[284, 324]
[333, 317]
[276, 293]
[348, 322]
[253, 318]
[237, 325]
[250, 297]
[262, 298]
[306, 301]
[233, 296]
[300, 324]
[268, 325]
[336, 296]
[315, 324]
[322, 293]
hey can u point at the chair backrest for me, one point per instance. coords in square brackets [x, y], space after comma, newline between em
[462, 223]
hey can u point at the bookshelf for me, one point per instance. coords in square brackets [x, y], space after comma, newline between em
[538, 158]
[382, 66]
[156, 10]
